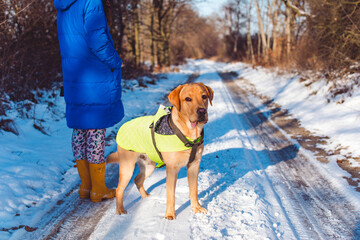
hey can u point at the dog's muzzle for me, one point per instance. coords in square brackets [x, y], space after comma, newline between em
[201, 114]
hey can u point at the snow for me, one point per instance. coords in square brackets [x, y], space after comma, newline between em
[225, 187]
[309, 104]
[237, 181]
[37, 170]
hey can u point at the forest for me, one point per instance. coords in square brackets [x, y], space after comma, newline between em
[152, 35]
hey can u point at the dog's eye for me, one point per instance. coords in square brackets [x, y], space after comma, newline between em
[188, 99]
[204, 97]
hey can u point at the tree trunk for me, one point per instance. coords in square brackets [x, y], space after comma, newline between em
[262, 34]
[135, 8]
[122, 30]
[249, 40]
[152, 36]
[275, 33]
[288, 32]
[268, 35]
[258, 47]
[158, 9]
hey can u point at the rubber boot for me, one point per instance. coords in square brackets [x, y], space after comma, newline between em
[84, 173]
[99, 190]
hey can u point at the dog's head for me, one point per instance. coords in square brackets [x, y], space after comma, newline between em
[191, 101]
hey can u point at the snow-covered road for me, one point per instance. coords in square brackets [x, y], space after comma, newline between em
[255, 182]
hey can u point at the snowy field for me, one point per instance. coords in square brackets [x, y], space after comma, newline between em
[37, 169]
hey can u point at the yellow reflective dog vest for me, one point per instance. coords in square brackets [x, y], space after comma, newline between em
[135, 135]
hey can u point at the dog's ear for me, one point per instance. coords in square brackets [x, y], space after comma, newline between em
[174, 97]
[209, 92]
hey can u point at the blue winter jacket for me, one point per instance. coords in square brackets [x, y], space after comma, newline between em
[91, 66]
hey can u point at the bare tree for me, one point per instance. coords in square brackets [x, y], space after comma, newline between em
[275, 32]
[166, 12]
[251, 55]
[265, 49]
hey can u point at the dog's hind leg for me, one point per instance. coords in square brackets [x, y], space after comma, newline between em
[146, 169]
[127, 160]
[113, 158]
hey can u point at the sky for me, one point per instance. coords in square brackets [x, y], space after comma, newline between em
[208, 7]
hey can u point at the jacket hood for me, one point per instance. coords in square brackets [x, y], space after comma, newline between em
[63, 4]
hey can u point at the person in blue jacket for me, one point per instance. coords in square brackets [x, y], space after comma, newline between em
[92, 88]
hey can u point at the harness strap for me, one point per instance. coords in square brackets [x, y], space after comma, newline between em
[193, 145]
[154, 143]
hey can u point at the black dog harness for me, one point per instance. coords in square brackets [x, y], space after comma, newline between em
[168, 127]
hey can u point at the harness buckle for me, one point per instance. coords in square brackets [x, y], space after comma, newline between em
[189, 144]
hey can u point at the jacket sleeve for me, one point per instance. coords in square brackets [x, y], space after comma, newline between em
[96, 34]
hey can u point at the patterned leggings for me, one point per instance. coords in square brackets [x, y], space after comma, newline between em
[89, 144]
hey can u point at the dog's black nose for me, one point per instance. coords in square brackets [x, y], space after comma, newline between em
[201, 111]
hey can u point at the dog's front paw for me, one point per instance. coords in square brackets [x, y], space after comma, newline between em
[170, 216]
[144, 194]
[199, 209]
[120, 211]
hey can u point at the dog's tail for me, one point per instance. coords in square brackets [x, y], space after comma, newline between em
[113, 158]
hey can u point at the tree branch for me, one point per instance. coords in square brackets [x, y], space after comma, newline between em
[3, 22]
[296, 9]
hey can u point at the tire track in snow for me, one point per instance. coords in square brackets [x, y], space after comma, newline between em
[252, 155]
[231, 189]
[326, 210]
[74, 218]
[330, 209]
[290, 213]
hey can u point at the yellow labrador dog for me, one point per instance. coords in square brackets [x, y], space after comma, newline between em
[173, 138]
